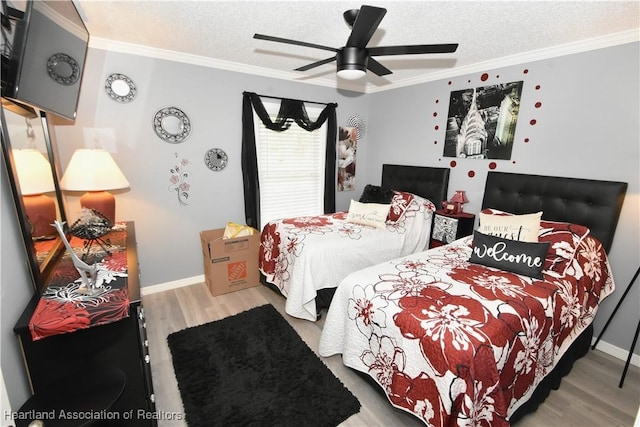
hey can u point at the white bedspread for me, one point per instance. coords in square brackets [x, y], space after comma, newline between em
[303, 255]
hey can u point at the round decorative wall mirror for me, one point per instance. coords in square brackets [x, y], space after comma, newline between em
[215, 159]
[120, 88]
[63, 69]
[172, 125]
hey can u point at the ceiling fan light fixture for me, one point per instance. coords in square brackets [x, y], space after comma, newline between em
[352, 63]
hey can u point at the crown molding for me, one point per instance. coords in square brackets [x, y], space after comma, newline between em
[610, 40]
[521, 58]
[170, 55]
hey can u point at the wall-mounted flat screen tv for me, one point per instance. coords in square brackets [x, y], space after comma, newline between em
[45, 56]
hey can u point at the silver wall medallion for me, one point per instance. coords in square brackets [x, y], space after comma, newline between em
[215, 159]
[63, 69]
[172, 125]
[120, 88]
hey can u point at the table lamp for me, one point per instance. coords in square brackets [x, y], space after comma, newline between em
[94, 171]
[459, 198]
[35, 178]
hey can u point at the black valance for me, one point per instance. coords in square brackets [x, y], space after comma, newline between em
[291, 110]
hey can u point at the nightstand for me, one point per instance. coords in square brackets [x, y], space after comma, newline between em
[448, 227]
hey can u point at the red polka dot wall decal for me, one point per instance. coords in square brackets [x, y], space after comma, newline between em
[537, 87]
[450, 83]
[538, 104]
[453, 163]
[435, 114]
[435, 142]
[437, 101]
[526, 71]
[437, 127]
[484, 77]
[471, 174]
[492, 165]
[533, 122]
[526, 140]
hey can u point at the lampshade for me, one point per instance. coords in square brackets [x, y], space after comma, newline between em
[35, 178]
[34, 172]
[93, 170]
[459, 197]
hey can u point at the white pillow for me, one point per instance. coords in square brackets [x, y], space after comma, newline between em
[373, 214]
[515, 227]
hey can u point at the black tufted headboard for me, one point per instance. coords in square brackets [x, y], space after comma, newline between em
[430, 183]
[592, 203]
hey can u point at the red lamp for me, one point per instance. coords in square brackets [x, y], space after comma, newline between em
[35, 179]
[459, 198]
[94, 171]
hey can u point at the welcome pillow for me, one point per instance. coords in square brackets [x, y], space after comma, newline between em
[515, 227]
[525, 258]
[372, 214]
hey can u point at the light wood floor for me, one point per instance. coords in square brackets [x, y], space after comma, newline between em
[588, 396]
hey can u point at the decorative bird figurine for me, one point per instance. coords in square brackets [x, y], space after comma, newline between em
[88, 273]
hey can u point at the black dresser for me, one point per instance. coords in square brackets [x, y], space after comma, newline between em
[115, 342]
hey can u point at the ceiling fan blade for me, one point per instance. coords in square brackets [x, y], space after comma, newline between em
[316, 64]
[367, 22]
[412, 49]
[377, 68]
[295, 42]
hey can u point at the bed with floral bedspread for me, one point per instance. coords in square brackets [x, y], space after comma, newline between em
[458, 343]
[478, 332]
[303, 255]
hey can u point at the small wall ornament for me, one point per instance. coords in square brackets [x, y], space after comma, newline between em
[120, 88]
[215, 159]
[178, 181]
[172, 125]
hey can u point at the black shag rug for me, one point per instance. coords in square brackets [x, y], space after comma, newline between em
[252, 369]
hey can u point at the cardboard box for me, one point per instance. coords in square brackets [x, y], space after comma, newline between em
[230, 264]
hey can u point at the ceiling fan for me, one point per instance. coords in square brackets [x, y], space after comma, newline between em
[354, 59]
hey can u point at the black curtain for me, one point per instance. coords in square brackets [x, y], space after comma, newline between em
[290, 110]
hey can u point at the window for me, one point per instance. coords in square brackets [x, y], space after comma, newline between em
[291, 168]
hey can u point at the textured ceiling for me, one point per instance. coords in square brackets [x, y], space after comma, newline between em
[221, 32]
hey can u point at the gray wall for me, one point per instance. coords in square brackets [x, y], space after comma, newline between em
[587, 126]
[167, 232]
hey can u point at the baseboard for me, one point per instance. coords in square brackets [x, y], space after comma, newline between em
[161, 287]
[617, 352]
[605, 347]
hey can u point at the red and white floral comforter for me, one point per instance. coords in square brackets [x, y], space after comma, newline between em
[456, 343]
[303, 255]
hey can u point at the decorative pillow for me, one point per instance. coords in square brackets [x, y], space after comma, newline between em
[515, 227]
[376, 194]
[525, 258]
[564, 239]
[399, 204]
[373, 214]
